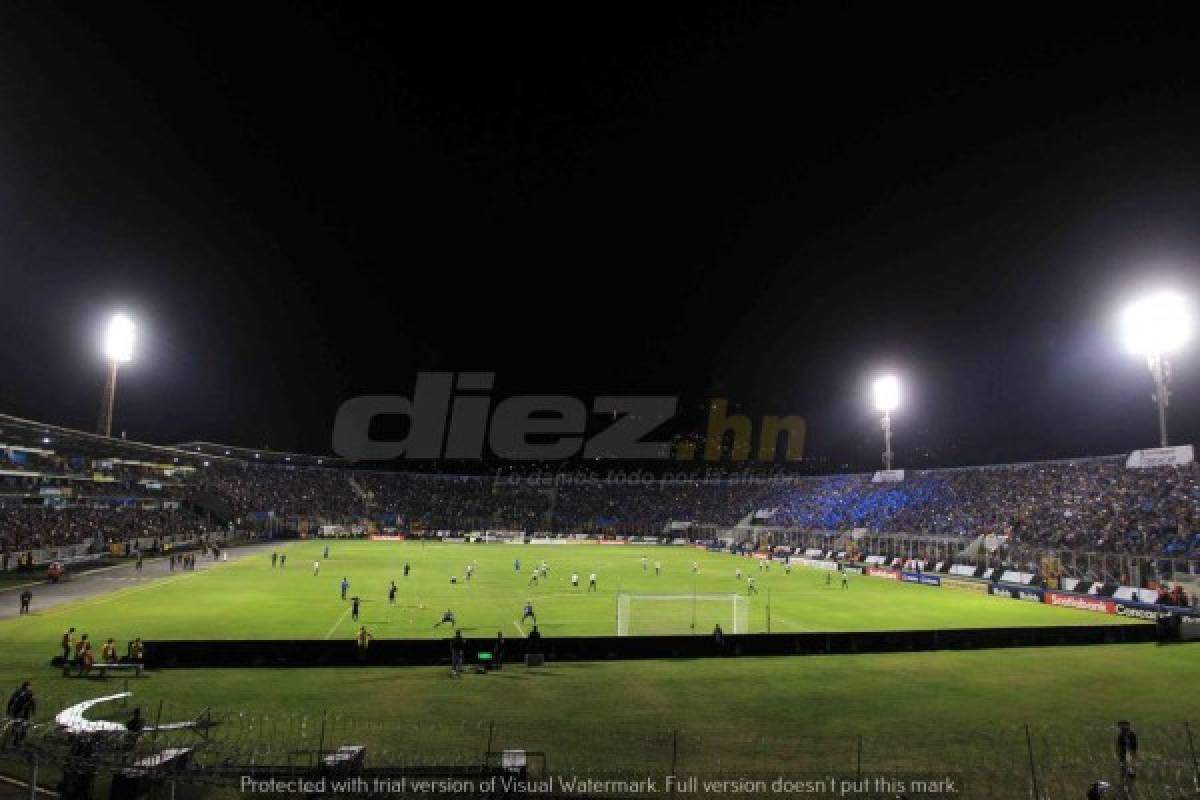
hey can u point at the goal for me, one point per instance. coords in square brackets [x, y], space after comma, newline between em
[680, 614]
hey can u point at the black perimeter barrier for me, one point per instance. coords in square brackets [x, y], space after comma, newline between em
[432, 652]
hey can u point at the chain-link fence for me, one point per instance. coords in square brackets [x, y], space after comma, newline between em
[1044, 761]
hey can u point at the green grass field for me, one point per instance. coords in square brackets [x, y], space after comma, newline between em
[958, 711]
[248, 599]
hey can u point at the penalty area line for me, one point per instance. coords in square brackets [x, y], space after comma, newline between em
[336, 624]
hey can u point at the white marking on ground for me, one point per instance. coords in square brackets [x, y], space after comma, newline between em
[795, 625]
[336, 624]
[520, 630]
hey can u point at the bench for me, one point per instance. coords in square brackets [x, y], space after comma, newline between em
[102, 669]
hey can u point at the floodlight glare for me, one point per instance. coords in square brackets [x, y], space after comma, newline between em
[1156, 325]
[1153, 327]
[118, 349]
[887, 394]
[887, 398]
[118, 341]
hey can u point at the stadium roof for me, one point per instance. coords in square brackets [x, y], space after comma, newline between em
[259, 455]
[28, 433]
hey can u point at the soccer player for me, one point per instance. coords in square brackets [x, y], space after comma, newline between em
[528, 613]
[326, 552]
[447, 618]
[574, 580]
[828, 578]
[406, 569]
[592, 582]
[845, 580]
[695, 567]
[26, 599]
[787, 568]
[354, 608]
[345, 587]
[533, 579]
[737, 574]
[750, 587]
[469, 569]
[658, 568]
[274, 559]
[516, 565]
[392, 594]
[643, 563]
[316, 568]
[282, 559]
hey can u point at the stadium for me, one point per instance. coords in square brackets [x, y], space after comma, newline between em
[762, 400]
[840, 594]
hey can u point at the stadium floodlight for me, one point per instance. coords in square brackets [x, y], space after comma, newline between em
[887, 393]
[1153, 327]
[118, 349]
[118, 340]
[887, 398]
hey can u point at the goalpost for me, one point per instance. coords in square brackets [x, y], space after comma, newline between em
[681, 614]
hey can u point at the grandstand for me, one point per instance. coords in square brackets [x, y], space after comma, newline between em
[1093, 518]
[1100, 548]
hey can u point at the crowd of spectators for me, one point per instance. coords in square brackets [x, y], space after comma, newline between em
[1088, 505]
[283, 491]
[26, 527]
[1094, 505]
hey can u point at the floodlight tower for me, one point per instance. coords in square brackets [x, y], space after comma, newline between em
[887, 398]
[118, 349]
[1155, 326]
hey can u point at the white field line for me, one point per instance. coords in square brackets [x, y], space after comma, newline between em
[120, 594]
[338, 623]
[798, 627]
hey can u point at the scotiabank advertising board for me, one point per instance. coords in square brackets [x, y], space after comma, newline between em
[876, 572]
[1084, 603]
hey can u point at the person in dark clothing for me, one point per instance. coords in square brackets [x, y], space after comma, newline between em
[137, 722]
[1127, 747]
[354, 608]
[26, 599]
[68, 641]
[718, 635]
[498, 652]
[20, 709]
[458, 649]
[533, 642]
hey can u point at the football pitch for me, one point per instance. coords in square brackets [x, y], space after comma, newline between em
[963, 712]
[250, 599]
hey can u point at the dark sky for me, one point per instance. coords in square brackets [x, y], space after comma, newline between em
[300, 204]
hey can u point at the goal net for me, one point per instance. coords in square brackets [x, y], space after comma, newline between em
[678, 614]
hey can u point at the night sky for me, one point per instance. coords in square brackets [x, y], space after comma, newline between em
[761, 202]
